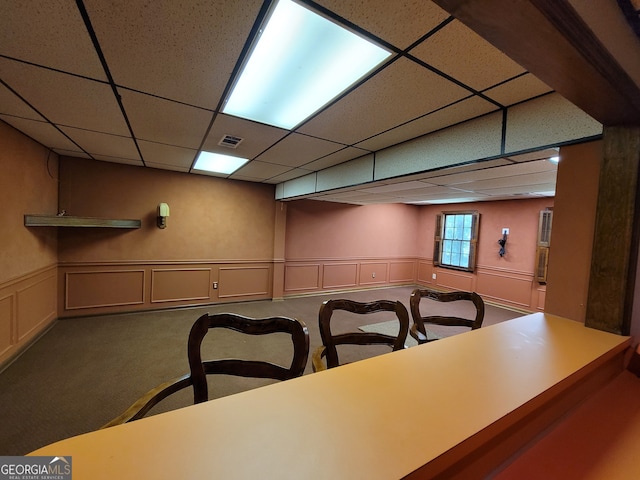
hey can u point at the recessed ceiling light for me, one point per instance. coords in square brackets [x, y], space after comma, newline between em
[218, 163]
[300, 63]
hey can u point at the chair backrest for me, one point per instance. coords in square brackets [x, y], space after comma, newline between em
[244, 368]
[199, 369]
[330, 341]
[418, 329]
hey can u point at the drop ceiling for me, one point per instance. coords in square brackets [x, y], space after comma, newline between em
[143, 83]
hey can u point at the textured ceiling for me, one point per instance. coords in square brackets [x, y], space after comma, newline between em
[142, 83]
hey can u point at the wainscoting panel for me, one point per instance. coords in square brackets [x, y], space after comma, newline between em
[94, 289]
[373, 273]
[301, 277]
[7, 315]
[331, 274]
[36, 306]
[425, 272]
[28, 305]
[180, 284]
[340, 275]
[244, 281]
[454, 280]
[102, 288]
[402, 272]
[509, 288]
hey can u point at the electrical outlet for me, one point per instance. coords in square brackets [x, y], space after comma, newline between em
[215, 285]
[433, 276]
[505, 231]
[373, 275]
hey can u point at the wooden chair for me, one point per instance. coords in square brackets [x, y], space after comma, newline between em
[199, 369]
[330, 341]
[418, 328]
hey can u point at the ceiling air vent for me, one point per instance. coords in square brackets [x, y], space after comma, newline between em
[229, 141]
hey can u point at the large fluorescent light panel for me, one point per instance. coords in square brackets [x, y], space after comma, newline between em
[218, 163]
[300, 63]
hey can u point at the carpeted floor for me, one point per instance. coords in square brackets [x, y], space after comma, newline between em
[85, 371]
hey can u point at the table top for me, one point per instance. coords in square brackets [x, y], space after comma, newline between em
[380, 418]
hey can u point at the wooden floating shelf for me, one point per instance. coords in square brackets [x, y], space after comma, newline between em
[69, 221]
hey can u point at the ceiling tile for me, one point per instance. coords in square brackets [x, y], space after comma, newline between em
[336, 158]
[512, 170]
[466, 109]
[443, 148]
[401, 25]
[181, 50]
[67, 100]
[555, 119]
[454, 198]
[173, 168]
[256, 137]
[383, 102]
[71, 153]
[124, 161]
[355, 172]
[259, 171]
[513, 181]
[468, 167]
[168, 155]
[459, 52]
[163, 121]
[297, 150]
[523, 190]
[50, 33]
[422, 191]
[103, 143]
[396, 187]
[42, 132]
[290, 175]
[10, 104]
[517, 90]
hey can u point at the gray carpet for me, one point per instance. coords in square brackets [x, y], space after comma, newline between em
[390, 327]
[85, 371]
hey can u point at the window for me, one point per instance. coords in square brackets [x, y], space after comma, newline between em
[456, 238]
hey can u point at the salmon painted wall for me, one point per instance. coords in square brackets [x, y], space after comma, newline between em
[331, 246]
[211, 218]
[29, 178]
[573, 229]
[509, 279]
[335, 230]
[28, 256]
[218, 245]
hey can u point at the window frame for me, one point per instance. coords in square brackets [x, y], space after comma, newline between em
[440, 239]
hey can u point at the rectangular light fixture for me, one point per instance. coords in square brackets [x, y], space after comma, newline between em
[218, 163]
[300, 62]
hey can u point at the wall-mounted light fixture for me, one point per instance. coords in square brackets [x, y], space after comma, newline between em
[503, 242]
[163, 213]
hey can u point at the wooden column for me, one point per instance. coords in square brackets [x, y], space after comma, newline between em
[617, 230]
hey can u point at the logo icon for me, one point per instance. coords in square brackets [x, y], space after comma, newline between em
[35, 468]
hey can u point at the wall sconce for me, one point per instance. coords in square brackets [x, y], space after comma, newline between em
[503, 242]
[163, 213]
